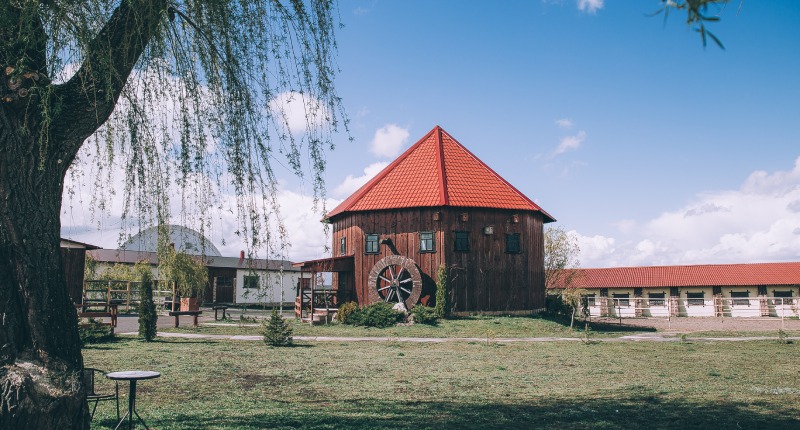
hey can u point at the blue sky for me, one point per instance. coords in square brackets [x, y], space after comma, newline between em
[650, 148]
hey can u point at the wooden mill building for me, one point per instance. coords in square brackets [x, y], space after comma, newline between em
[437, 205]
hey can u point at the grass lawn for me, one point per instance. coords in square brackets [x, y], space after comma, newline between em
[478, 326]
[473, 385]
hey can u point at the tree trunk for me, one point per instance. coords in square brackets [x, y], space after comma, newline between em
[40, 384]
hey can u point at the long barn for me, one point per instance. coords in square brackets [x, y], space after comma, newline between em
[438, 205]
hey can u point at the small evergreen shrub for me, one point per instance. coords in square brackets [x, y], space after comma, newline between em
[441, 307]
[95, 332]
[378, 314]
[276, 331]
[147, 309]
[344, 312]
[424, 314]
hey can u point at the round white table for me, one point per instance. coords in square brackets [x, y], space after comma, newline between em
[132, 376]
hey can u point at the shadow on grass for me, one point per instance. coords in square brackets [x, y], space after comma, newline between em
[596, 326]
[637, 411]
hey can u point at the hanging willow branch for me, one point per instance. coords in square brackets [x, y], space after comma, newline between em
[190, 98]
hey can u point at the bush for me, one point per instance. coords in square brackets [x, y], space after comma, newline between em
[276, 331]
[95, 332]
[556, 306]
[378, 314]
[424, 314]
[344, 312]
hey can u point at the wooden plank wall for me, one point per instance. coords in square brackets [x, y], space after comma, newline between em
[484, 279]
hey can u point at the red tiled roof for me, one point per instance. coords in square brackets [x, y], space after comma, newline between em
[690, 276]
[437, 171]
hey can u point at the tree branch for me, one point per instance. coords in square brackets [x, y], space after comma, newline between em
[86, 101]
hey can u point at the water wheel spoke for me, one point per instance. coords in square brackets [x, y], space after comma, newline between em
[387, 280]
[406, 280]
[407, 291]
[391, 272]
[385, 288]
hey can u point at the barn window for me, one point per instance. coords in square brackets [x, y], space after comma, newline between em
[588, 299]
[512, 243]
[622, 299]
[251, 282]
[656, 299]
[343, 246]
[426, 242]
[372, 244]
[740, 298]
[462, 241]
[695, 299]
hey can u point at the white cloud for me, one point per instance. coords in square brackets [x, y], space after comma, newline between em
[570, 143]
[590, 6]
[564, 123]
[389, 140]
[297, 111]
[758, 222]
[351, 183]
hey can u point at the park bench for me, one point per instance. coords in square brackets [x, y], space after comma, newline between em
[219, 308]
[106, 310]
[177, 314]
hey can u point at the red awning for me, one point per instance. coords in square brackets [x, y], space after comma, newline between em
[332, 264]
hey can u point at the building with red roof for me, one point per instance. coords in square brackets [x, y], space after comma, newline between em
[746, 290]
[438, 205]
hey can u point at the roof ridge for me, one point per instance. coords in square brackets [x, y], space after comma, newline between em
[444, 195]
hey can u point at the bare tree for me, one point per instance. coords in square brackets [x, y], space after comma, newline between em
[561, 251]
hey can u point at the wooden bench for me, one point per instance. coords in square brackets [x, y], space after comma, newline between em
[177, 314]
[219, 308]
[109, 311]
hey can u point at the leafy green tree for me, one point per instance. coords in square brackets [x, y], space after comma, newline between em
[148, 318]
[184, 93]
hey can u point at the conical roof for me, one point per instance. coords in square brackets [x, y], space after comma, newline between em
[437, 171]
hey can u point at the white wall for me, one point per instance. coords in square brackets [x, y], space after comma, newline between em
[271, 285]
[753, 307]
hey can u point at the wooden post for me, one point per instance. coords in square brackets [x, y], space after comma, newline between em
[313, 284]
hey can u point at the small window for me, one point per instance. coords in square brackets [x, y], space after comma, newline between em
[343, 246]
[426, 242]
[372, 244]
[622, 299]
[695, 299]
[740, 298]
[462, 241]
[656, 299]
[674, 292]
[783, 297]
[604, 292]
[762, 290]
[251, 281]
[512, 243]
[589, 299]
[637, 292]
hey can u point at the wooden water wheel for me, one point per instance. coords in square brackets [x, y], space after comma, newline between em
[395, 279]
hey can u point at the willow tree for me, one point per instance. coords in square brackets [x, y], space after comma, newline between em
[184, 94]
